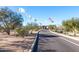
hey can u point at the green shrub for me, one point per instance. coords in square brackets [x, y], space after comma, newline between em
[59, 31]
[21, 32]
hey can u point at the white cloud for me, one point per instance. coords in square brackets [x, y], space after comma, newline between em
[22, 10]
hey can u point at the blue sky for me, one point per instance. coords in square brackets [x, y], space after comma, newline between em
[42, 13]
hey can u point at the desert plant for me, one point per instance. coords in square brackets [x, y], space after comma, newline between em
[71, 25]
[21, 32]
[32, 27]
[10, 19]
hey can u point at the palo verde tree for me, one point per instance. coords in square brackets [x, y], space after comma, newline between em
[10, 19]
[71, 25]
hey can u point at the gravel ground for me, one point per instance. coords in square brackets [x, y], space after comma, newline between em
[9, 43]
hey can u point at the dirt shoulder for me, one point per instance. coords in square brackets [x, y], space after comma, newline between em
[9, 43]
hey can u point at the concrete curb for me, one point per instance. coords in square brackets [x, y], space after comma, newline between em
[34, 41]
[64, 35]
[30, 50]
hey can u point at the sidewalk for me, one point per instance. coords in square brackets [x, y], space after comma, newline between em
[73, 38]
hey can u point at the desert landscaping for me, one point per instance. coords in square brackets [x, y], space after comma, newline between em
[9, 43]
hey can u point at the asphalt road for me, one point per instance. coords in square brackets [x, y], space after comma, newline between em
[50, 42]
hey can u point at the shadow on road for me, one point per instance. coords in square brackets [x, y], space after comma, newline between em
[45, 35]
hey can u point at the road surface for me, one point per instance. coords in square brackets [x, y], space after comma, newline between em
[50, 42]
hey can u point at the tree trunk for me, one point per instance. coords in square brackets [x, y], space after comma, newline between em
[8, 31]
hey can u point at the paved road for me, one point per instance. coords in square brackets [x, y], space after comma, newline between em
[49, 42]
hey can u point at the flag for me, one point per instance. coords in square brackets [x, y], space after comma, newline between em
[51, 19]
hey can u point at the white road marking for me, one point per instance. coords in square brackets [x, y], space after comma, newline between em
[70, 42]
[67, 40]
